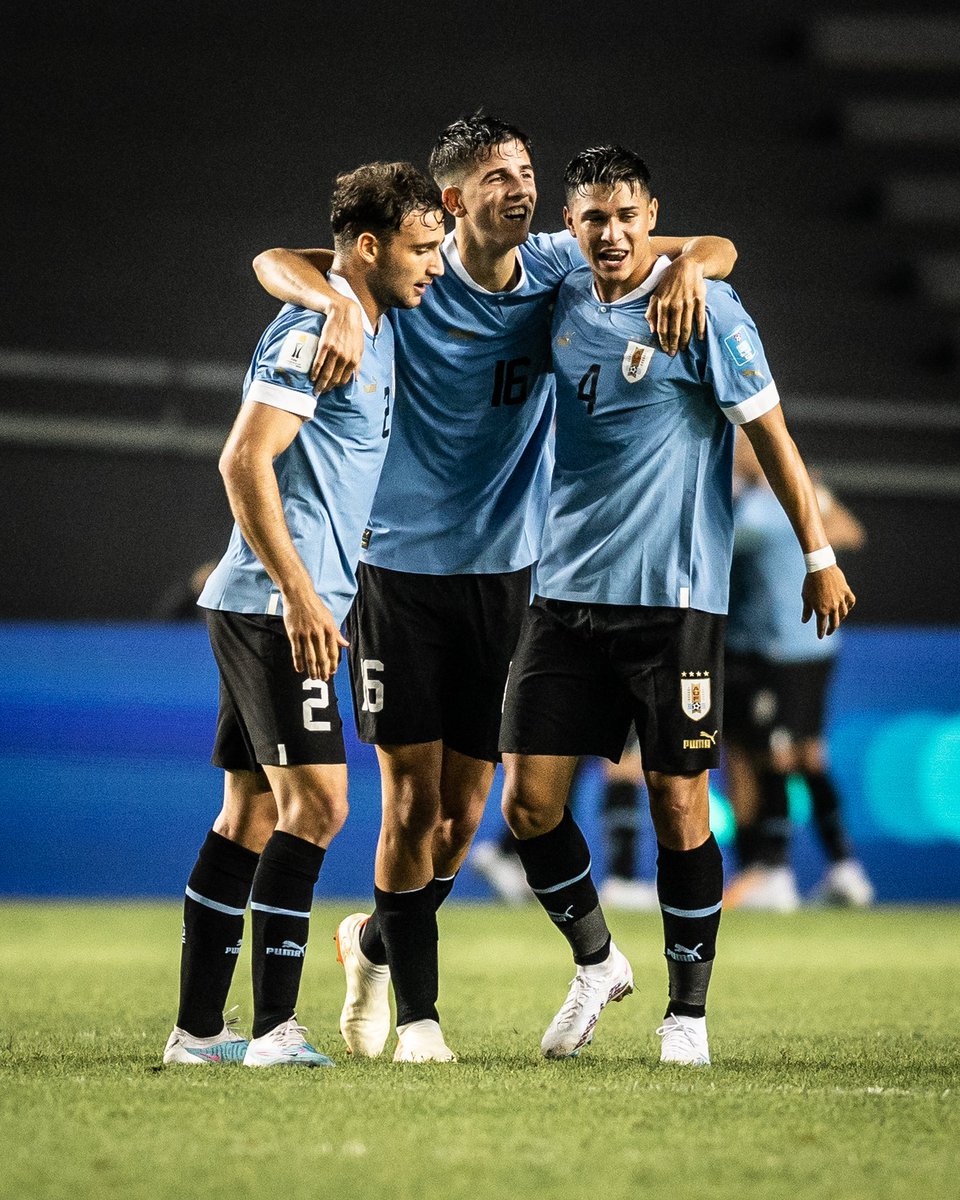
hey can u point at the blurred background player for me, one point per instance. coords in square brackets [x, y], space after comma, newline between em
[777, 675]
[625, 822]
[456, 525]
[300, 474]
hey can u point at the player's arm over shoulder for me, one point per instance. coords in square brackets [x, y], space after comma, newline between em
[299, 277]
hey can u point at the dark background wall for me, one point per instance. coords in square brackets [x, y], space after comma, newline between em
[155, 148]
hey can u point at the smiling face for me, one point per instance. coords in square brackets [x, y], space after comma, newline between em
[612, 226]
[408, 260]
[496, 197]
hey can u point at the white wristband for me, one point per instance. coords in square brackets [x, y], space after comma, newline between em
[817, 560]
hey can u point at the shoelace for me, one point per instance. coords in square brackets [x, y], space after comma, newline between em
[580, 985]
[681, 1030]
[292, 1035]
[230, 1021]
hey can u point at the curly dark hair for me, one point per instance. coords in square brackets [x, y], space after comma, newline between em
[376, 198]
[607, 166]
[467, 141]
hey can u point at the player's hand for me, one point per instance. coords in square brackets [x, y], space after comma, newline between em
[314, 637]
[678, 303]
[827, 595]
[341, 345]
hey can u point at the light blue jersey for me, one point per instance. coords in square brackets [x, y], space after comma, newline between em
[765, 582]
[465, 483]
[640, 507]
[327, 475]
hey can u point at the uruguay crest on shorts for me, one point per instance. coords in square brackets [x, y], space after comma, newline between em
[695, 694]
[636, 359]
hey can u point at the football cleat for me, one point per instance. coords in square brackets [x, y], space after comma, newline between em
[421, 1042]
[591, 990]
[846, 883]
[365, 1018]
[284, 1046]
[684, 1040]
[763, 889]
[225, 1046]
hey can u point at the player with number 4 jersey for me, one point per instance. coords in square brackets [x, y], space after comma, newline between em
[627, 623]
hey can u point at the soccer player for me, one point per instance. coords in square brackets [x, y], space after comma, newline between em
[445, 573]
[300, 475]
[627, 623]
[777, 676]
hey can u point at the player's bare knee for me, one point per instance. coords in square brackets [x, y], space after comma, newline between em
[413, 813]
[528, 813]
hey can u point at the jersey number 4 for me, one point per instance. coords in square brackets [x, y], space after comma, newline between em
[510, 384]
[587, 391]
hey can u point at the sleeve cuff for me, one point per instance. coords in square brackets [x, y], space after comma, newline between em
[302, 404]
[755, 406]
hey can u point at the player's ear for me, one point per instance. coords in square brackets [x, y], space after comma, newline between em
[568, 221]
[653, 213]
[453, 201]
[368, 247]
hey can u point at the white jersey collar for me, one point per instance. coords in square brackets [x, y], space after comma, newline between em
[339, 284]
[642, 289]
[452, 255]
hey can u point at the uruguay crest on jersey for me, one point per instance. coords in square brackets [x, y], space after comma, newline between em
[636, 359]
[695, 694]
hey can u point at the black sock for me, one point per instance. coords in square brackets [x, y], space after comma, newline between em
[217, 894]
[749, 845]
[557, 866]
[773, 821]
[505, 844]
[826, 815]
[690, 887]
[371, 939]
[408, 926]
[280, 902]
[619, 808]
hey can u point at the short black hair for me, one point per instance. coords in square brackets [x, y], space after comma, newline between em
[377, 198]
[607, 166]
[468, 141]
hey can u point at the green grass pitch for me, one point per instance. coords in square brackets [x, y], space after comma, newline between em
[835, 1038]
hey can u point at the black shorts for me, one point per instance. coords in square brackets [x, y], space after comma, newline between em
[429, 656]
[769, 702]
[270, 714]
[583, 672]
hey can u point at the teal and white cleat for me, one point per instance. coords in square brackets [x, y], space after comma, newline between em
[225, 1046]
[284, 1046]
[684, 1041]
[591, 990]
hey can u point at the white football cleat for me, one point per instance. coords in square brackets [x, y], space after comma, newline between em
[502, 871]
[421, 1042]
[365, 1018]
[225, 1046]
[684, 1041]
[591, 990]
[630, 895]
[764, 889]
[845, 883]
[284, 1046]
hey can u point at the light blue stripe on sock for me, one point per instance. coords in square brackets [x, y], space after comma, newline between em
[566, 883]
[279, 912]
[692, 912]
[214, 904]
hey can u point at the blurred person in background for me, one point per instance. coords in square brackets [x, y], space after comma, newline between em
[178, 602]
[777, 676]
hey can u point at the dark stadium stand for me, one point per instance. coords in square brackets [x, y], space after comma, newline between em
[159, 150]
